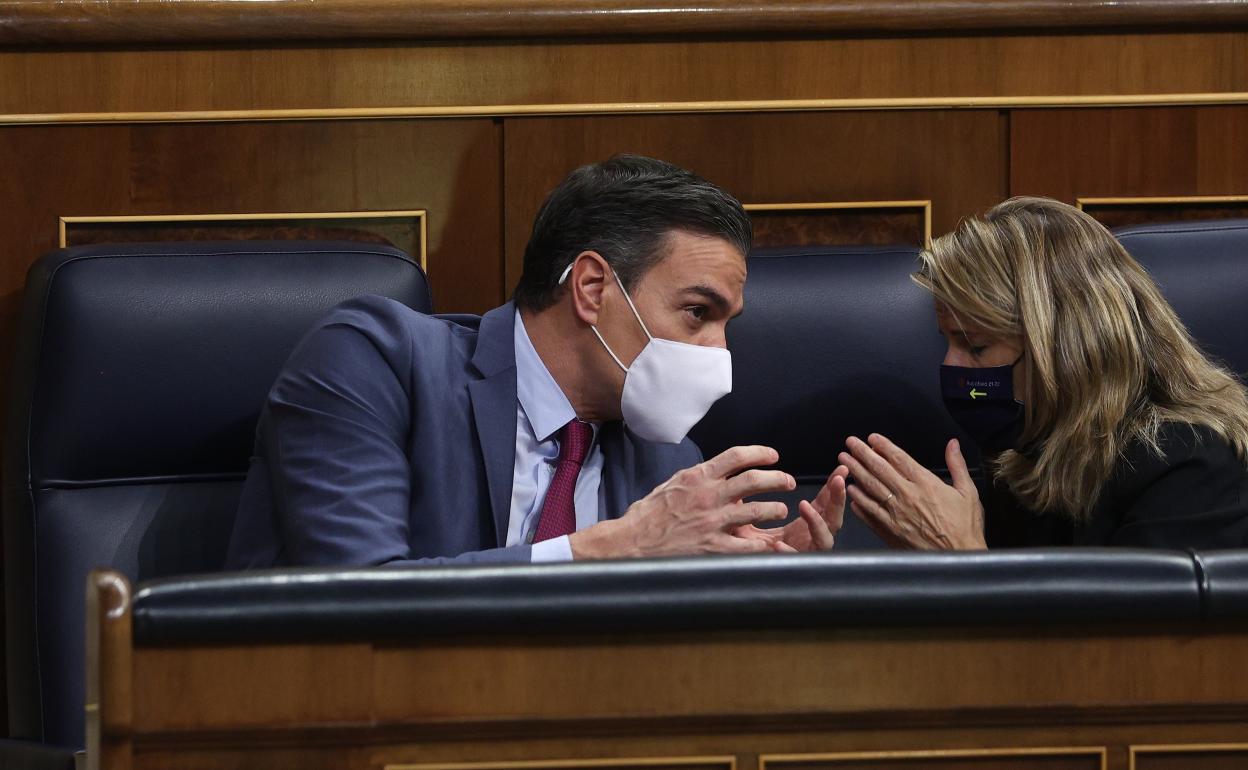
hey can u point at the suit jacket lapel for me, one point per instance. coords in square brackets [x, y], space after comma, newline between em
[494, 409]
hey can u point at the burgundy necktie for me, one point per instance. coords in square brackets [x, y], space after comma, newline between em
[559, 508]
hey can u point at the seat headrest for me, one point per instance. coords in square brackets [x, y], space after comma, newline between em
[834, 341]
[1202, 269]
[153, 360]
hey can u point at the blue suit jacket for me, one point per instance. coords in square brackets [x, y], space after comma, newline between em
[390, 438]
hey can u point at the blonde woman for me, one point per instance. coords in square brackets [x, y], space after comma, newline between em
[1099, 420]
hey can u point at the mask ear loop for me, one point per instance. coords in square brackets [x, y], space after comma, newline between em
[564, 277]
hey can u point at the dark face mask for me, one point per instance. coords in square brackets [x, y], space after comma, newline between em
[981, 401]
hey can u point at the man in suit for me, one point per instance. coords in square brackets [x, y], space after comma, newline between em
[553, 427]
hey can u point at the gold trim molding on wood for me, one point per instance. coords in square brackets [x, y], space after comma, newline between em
[775, 761]
[1190, 748]
[631, 108]
[421, 216]
[726, 763]
[1159, 201]
[924, 205]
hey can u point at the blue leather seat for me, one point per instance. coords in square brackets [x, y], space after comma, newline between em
[834, 341]
[838, 341]
[140, 373]
[1202, 268]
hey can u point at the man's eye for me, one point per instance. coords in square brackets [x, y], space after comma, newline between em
[697, 311]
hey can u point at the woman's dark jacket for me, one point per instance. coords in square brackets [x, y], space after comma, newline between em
[1195, 496]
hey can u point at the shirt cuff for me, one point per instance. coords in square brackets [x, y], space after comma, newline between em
[554, 549]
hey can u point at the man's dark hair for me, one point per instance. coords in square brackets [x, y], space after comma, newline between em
[623, 208]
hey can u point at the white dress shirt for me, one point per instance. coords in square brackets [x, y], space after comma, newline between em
[541, 410]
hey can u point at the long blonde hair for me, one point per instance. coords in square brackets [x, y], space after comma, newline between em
[1106, 359]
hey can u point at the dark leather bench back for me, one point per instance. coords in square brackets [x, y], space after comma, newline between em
[140, 373]
[838, 341]
[834, 341]
[1202, 268]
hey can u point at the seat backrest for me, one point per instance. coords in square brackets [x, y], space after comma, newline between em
[834, 341]
[838, 341]
[140, 373]
[1202, 268]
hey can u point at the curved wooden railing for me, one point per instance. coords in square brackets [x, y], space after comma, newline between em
[62, 23]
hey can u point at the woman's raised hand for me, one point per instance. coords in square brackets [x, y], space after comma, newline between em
[907, 505]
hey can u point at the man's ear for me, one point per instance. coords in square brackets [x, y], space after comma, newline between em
[587, 282]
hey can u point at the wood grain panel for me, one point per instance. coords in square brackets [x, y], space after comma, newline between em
[955, 159]
[1206, 757]
[273, 684]
[544, 689]
[1018, 759]
[266, 707]
[859, 673]
[1165, 210]
[58, 22]
[635, 76]
[586, 763]
[88, 233]
[319, 757]
[879, 226]
[402, 230]
[450, 168]
[1068, 154]
[949, 763]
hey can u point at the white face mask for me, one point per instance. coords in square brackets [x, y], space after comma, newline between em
[671, 385]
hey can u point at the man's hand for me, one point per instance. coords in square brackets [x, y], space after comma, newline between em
[820, 520]
[698, 510]
[907, 505]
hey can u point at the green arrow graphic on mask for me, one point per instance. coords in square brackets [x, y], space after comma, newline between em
[976, 394]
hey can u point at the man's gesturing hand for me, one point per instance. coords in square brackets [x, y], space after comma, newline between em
[695, 511]
[816, 528]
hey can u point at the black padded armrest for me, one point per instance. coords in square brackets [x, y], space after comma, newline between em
[1042, 586]
[1224, 578]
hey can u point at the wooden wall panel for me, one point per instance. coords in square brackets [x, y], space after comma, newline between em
[956, 159]
[1179, 209]
[37, 22]
[1159, 151]
[637, 763]
[1204, 757]
[613, 71]
[1036, 759]
[395, 229]
[873, 225]
[450, 168]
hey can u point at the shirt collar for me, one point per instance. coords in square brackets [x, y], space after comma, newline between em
[541, 398]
